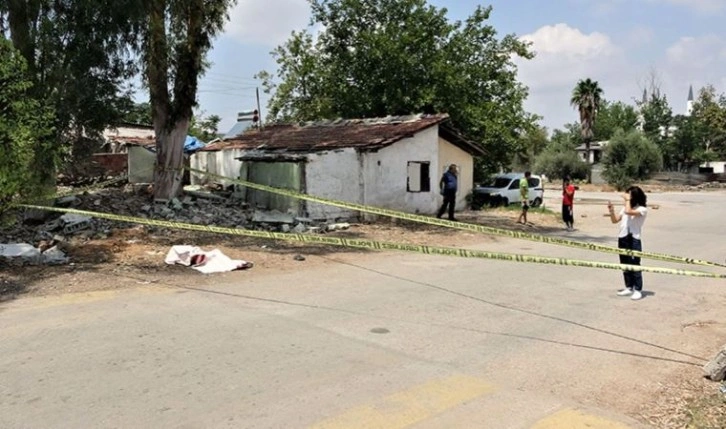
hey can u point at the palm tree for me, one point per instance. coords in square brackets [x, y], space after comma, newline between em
[587, 97]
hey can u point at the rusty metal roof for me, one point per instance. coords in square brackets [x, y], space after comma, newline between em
[363, 134]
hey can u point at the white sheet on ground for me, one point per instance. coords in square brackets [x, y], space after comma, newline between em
[205, 262]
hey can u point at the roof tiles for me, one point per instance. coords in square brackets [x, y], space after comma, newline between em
[364, 134]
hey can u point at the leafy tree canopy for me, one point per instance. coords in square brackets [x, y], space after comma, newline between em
[388, 57]
[710, 112]
[78, 58]
[614, 116]
[205, 128]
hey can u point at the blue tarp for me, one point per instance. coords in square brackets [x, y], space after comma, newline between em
[192, 144]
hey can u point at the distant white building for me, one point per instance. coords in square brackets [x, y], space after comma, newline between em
[690, 102]
[665, 132]
[597, 150]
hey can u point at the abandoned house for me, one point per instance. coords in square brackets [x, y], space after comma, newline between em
[131, 149]
[393, 162]
[118, 139]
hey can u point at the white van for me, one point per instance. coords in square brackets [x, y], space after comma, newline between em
[504, 190]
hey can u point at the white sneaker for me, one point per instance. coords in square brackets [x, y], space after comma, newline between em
[625, 292]
[636, 295]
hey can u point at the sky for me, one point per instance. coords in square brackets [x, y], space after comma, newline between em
[619, 43]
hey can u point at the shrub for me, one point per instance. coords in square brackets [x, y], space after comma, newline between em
[630, 157]
[24, 129]
[560, 164]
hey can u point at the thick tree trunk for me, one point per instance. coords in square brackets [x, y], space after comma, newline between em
[169, 173]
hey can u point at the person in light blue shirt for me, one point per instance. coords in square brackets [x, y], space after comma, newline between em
[449, 185]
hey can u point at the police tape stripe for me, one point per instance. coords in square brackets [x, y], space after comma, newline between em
[462, 225]
[380, 245]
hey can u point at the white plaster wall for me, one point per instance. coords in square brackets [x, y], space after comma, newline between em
[222, 162]
[718, 166]
[450, 154]
[386, 174]
[199, 160]
[335, 175]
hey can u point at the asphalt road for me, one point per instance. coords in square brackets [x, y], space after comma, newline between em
[376, 340]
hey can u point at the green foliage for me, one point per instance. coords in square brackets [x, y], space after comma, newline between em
[657, 119]
[612, 117]
[710, 112]
[136, 113]
[587, 99]
[78, 58]
[563, 141]
[532, 142]
[631, 157]
[559, 159]
[205, 128]
[391, 57]
[25, 128]
[560, 164]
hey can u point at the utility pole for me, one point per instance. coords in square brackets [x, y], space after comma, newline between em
[259, 110]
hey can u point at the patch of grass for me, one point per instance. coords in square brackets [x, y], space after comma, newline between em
[706, 412]
[518, 208]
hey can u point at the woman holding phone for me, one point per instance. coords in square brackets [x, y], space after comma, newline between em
[631, 218]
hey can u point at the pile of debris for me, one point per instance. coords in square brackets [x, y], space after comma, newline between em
[705, 186]
[49, 230]
[26, 254]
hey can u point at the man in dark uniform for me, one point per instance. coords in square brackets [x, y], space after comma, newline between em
[449, 185]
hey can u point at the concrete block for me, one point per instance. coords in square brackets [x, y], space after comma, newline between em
[716, 369]
[22, 252]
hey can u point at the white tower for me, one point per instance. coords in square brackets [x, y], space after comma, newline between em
[643, 103]
[689, 103]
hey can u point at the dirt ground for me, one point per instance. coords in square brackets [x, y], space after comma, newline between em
[139, 251]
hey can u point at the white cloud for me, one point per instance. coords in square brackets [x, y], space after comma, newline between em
[697, 61]
[564, 56]
[266, 22]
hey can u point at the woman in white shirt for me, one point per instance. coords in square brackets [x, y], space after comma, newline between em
[631, 219]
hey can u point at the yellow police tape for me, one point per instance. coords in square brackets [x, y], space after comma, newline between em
[461, 225]
[380, 245]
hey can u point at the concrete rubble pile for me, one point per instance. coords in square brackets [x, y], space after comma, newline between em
[706, 185]
[49, 231]
[715, 370]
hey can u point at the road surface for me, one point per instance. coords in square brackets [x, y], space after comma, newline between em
[376, 340]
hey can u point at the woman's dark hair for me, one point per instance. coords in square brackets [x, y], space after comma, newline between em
[637, 197]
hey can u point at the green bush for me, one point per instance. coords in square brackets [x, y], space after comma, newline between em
[630, 157]
[560, 164]
[24, 130]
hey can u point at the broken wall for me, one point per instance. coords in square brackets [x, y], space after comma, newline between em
[141, 163]
[287, 175]
[335, 175]
[221, 162]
